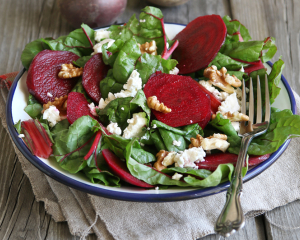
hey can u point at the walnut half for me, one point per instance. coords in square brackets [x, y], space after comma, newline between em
[154, 103]
[222, 79]
[60, 103]
[69, 71]
[149, 48]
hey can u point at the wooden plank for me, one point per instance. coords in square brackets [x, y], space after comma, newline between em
[284, 222]
[278, 19]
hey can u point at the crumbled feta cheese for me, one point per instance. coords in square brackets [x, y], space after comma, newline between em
[191, 121]
[156, 188]
[114, 128]
[98, 47]
[21, 135]
[176, 143]
[122, 108]
[49, 94]
[236, 126]
[174, 71]
[231, 104]
[219, 95]
[214, 143]
[189, 156]
[136, 124]
[154, 126]
[242, 69]
[142, 20]
[177, 176]
[52, 115]
[93, 108]
[133, 84]
[101, 34]
[103, 103]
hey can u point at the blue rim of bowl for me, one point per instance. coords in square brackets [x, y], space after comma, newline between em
[128, 196]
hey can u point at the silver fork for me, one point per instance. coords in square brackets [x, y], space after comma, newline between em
[232, 218]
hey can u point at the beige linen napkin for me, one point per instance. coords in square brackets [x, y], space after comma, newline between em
[192, 219]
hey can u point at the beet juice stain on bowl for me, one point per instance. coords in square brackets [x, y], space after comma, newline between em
[95, 13]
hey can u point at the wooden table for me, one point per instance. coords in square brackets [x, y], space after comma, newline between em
[21, 217]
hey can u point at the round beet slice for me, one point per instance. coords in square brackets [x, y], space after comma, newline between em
[77, 106]
[188, 102]
[42, 79]
[94, 71]
[199, 43]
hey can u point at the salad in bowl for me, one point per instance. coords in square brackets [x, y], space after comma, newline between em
[127, 106]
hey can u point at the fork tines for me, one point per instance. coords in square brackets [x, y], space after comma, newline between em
[247, 128]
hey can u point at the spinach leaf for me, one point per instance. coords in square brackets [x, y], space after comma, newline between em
[149, 64]
[18, 126]
[76, 42]
[68, 140]
[109, 84]
[148, 174]
[118, 111]
[125, 61]
[245, 51]
[79, 88]
[82, 61]
[121, 109]
[221, 174]
[224, 125]
[222, 60]
[169, 137]
[283, 126]
[234, 26]
[33, 108]
[103, 177]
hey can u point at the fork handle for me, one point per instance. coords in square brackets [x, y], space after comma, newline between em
[232, 218]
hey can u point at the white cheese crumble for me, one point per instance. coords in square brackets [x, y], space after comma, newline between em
[214, 143]
[92, 108]
[142, 20]
[236, 126]
[219, 95]
[176, 143]
[231, 104]
[49, 94]
[101, 34]
[242, 69]
[136, 124]
[122, 108]
[98, 47]
[133, 84]
[154, 126]
[21, 135]
[174, 71]
[114, 128]
[177, 176]
[156, 188]
[189, 156]
[52, 115]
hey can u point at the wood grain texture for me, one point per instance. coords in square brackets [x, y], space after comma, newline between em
[21, 217]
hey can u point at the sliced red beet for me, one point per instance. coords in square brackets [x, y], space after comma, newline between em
[199, 43]
[214, 102]
[77, 106]
[42, 79]
[189, 104]
[212, 161]
[120, 169]
[36, 138]
[94, 71]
